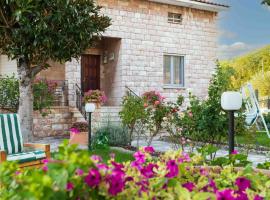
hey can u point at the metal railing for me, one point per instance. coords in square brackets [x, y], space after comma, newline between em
[60, 95]
[79, 100]
[131, 92]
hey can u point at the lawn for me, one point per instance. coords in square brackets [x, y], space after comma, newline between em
[119, 155]
[260, 138]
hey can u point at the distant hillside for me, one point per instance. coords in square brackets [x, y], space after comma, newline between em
[253, 67]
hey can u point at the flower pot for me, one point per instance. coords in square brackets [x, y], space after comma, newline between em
[78, 138]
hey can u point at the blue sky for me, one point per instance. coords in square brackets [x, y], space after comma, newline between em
[244, 27]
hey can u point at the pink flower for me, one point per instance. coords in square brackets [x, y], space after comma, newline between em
[143, 185]
[45, 161]
[241, 195]
[210, 187]
[190, 114]
[242, 183]
[172, 168]
[257, 197]
[69, 186]
[17, 173]
[102, 167]
[79, 172]
[226, 194]
[136, 165]
[74, 130]
[147, 171]
[235, 152]
[145, 105]
[184, 158]
[45, 168]
[189, 186]
[139, 157]
[116, 182]
[203, 171]
[96, 158]
[93, 178]
[112, 155]
[117, 166]
[156, 103]
[149, 149]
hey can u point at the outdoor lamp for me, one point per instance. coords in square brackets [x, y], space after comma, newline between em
[89, 108]
[231, 101]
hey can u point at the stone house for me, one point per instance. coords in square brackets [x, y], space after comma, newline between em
[164, 45]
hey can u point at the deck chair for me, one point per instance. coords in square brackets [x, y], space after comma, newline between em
[12, 147]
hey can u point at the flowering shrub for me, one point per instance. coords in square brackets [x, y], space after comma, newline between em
[73, 174]
[96, 96]
[79, 127]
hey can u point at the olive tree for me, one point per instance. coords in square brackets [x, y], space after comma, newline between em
[35, 32]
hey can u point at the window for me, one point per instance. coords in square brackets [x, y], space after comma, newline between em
[174, 18]
[174, 70]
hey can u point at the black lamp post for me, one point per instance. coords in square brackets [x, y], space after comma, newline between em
[89, 108]
[231, 102]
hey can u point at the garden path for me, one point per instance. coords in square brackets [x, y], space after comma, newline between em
[158, 146]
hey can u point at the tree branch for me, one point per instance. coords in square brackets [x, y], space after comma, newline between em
[3, 17]
[35, 70]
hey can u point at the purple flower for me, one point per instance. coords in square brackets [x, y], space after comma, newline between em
[69, 186]
[96, 158]
[147, 171]
[226, 194]
[136, 165]
[116, 182]
[172, 168]
[210, 187]
[184, 158]
[242, 183]
[143, 185]
[102, 167]
[149, 149]
[241, 195]
[189, 186]
[79, 172]
[93, 178]
[117, 166]
[139, 157]
[17, 173]
[203, 171]
[257, 197]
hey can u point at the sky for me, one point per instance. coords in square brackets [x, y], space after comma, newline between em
[244, 27]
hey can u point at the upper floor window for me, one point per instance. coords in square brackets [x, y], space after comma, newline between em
[173, 70]
[174, 18]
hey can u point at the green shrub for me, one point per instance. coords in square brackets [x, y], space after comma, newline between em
[113, 135]
[9, 93]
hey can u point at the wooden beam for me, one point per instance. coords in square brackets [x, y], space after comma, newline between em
[3, 156]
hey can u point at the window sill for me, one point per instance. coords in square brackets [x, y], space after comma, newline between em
[174, 87]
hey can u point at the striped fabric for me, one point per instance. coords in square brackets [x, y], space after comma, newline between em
[10, 134]
[27, 156]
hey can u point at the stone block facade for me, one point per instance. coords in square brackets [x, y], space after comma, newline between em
[146, 36]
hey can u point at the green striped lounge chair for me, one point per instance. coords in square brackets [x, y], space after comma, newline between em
[12, 147]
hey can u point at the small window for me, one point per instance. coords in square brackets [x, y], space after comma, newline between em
[174, 18]
[174, 70]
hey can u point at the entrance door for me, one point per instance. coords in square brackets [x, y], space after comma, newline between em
[90, 72]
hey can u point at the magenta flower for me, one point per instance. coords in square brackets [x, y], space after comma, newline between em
[102, 166]
[116, 182]
[69, 186]
[96, 158]
[45, 161]
[143, 185]
[234, 152]
[17, 173]
[74, 130]
[79, 172]
[136, 165]
[117, 166]
[257, 197]
[45, 168]
[147, 171]
[184, 158]
[149, 149]
[189, 186]
[139, 157]
[172, 168]
[226, 194]
[93, 178]
[210, 187]
[242, 183]
[203, 171]
[241, 195]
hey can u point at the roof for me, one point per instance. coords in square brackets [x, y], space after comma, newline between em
[211, 3]
[197, 4]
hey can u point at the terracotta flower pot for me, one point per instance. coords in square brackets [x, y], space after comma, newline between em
[78, 138]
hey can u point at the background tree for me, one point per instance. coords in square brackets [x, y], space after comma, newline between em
[266, 2]
[36, 32]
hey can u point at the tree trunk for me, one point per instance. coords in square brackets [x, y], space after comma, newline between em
[26, 99]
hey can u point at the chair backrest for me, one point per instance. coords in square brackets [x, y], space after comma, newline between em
[10, 134]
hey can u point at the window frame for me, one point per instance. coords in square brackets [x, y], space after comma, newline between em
[172, 75]
[173, 19]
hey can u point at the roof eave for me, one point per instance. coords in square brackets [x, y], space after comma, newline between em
[193, 4]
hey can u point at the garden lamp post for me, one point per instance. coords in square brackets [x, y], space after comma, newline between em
[231, 102]
[89, 108]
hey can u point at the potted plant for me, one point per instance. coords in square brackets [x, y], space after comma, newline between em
[95, 96]
[79, 133]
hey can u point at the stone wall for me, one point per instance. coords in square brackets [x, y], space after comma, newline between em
[146, 36]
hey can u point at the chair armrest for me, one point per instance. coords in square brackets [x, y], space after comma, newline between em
[44, 147]
[3, 156]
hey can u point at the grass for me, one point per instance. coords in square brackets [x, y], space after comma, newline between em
[260, 138]
[119, 155]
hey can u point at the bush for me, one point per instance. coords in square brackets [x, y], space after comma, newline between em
[43, 92]
[80, 126]
[174, 175]
[113, 135]
[9, 93]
